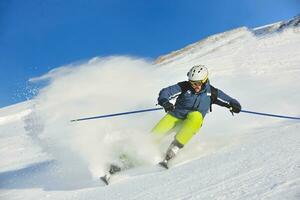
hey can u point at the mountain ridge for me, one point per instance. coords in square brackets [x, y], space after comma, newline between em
[257, 32]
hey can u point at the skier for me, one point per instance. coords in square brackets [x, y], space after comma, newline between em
[194, 100]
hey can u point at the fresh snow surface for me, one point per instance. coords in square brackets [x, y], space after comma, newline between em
[44, 156]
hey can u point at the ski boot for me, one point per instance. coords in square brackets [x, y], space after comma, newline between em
[124, 163]
[112, 170]
[173, 149]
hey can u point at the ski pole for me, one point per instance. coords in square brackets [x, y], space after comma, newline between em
[155, 109]
[270, 115]
[116, 114]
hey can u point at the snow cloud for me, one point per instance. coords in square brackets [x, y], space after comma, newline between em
[99, 86]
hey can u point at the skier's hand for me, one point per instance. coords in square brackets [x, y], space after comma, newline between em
[168, 106]
[235, 107]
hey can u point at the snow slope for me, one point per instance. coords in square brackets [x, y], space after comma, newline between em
[44, 156]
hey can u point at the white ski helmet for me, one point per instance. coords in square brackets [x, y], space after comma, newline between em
[198, 73]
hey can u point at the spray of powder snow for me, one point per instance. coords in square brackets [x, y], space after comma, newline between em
[99, 86]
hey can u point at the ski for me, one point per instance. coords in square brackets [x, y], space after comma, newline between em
[164, 164]
[116, 170]
[105, 179]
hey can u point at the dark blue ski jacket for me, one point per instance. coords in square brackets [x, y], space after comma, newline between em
[188, 100]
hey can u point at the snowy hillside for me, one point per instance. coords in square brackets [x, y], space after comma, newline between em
[44, 156]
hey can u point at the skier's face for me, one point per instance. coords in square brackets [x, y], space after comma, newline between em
[196, 85]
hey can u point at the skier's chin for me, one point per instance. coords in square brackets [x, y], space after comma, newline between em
[197, 90]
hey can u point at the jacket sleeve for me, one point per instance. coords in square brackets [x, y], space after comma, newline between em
[166, 93]
[224, 99]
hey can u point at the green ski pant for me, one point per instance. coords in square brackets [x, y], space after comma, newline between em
[189, 126]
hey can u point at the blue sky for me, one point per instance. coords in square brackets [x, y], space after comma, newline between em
[39, 35]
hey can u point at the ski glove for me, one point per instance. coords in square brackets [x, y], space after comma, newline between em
[235, 107]
[168, 106]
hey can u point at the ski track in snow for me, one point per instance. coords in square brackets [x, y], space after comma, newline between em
[244, 157]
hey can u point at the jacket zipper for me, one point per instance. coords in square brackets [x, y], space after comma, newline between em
[193, 107]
